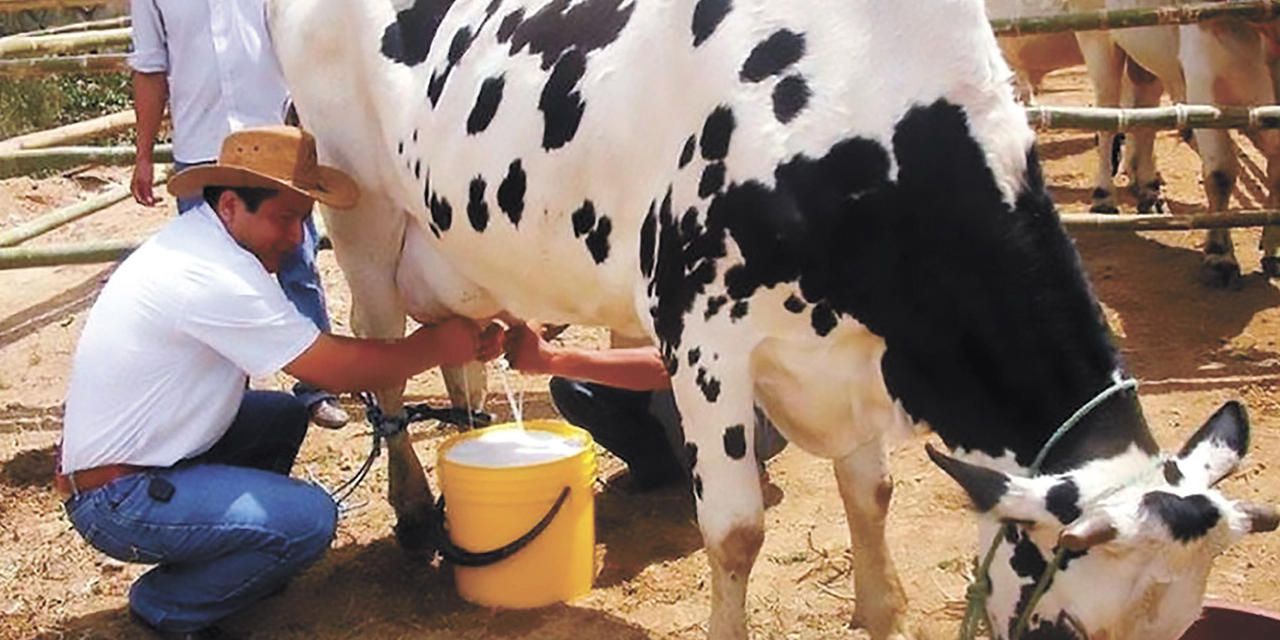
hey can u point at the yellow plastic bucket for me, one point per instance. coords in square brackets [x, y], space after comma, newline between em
[489, 505]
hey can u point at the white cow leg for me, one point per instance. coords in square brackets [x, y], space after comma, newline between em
[1217, 152]
[865, 488]
[467, 386]
[1105, 63]
[1140, 162]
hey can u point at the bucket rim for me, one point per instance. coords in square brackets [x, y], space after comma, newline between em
[552, 425]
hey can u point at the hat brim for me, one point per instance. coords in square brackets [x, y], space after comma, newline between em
[333, 188]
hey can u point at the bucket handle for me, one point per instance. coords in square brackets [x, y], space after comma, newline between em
[456, 555]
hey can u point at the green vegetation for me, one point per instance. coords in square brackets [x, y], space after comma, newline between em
[43, 103]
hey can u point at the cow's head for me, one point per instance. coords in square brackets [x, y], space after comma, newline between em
[1136, 544]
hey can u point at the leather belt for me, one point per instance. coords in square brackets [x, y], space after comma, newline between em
[78, 482]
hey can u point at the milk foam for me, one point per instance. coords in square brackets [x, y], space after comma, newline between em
[512, 448]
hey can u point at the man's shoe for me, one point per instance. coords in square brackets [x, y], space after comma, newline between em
[329, 414]
[207, 633]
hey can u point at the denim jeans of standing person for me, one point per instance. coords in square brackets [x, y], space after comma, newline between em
[225, 529]
[300, 280]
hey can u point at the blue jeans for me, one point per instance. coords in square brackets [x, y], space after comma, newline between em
[225, 529]
[300, 281]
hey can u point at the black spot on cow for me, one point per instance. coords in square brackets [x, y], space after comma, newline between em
[400, 148]
[408, 39]
[686, 154]
[790, 97]
[1063, 501]
[563, 25]
[458, 47]
[486, 106]
[598, 240]
[584, 219]
[823, 319]
[738, 311]
[710, 386]
[717, 131]
[434, 229]
[690, 456]
[684, 266]
[695, 354]
[648, 241]
[794, 304]
[714, 303]
[697, 486]
[435, 85]
[1172, 474]
[441, 212]
[712, 179]
[707, 15]
[1062, 628]
[477, 208]
[561, 103]
[1187, 518]
[417, 169]
[1228, 426]
[507, 27]
[415, 135]
[773, 55]
[735, 442]
[511, 192]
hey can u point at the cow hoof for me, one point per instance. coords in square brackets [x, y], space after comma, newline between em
[1221, 272]
[1154, 204]
[1271, 267]
[414, 532]
[1102, 207]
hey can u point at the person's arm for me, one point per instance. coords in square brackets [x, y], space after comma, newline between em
[638, 369]
[150, 93]
[339, 363]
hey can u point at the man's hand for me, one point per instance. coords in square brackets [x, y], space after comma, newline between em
[457, 340]
[527, 351]
[143, 178]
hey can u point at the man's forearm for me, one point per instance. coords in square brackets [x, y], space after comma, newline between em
[340, 363]
[638, 369]
[150, 93]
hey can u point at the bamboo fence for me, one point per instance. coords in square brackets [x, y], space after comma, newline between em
[60, 254]
[39, 67]
[1250, 10]
[64, 43]
[88, 25]
[1179, 116]
[27, 161]
[1169, 222]
[72, 133]
[11, 6]
[54, 219]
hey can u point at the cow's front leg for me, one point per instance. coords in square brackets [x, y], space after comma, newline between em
[719, 423]
[865, 488]
[467, 386]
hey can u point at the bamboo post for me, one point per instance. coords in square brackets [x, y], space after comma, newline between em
[1180, 116]
[11, 6]
[64, 43]
[1249, 10]
[72, 133]
[50, 221]
[90, 25]
[60, 254]
[26, 161]
[37, 67]
[1170, 222]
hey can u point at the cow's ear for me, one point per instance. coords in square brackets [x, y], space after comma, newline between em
[1003, 496]
[1215, 450]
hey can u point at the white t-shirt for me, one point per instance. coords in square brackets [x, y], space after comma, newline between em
[222, 68]
[161, 366]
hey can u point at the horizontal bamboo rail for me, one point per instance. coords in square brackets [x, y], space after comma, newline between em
[1170, 222]
[61, 254]
[90, 25]
[11, 6]
[1182, 116]
[39, 67]
[54, 219]
[1250, 10]
[72, 133]
[64, 43]
[27, 161]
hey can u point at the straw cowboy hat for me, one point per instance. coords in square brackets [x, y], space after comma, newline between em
[276, 157]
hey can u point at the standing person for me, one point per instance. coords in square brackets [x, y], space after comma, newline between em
[166, 459]
[218, 73]
[622, 397]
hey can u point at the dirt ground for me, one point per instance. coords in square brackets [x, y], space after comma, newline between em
[1191, 348]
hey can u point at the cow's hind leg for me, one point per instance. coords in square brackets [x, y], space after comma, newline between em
[719, 423]
[865, 488]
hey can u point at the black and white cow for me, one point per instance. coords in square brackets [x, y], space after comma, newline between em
[832, 209]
